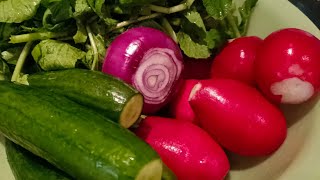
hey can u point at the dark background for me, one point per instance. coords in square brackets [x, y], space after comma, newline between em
[310, 8]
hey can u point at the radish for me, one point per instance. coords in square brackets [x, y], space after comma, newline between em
[287, 66]
[196, 68]
[236, 60]
[180, 108]
[186, 149]
[238, 117]
[150, 61]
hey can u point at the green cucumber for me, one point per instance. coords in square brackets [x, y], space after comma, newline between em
[27, 166]
[106, 94]
[77, 140]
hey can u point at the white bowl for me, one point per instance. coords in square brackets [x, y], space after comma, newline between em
[298, 158]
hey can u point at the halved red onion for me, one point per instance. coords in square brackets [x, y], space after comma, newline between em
[150, 61]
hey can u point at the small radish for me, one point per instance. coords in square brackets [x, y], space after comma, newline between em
[186, 149]
[150, 61]
[238, 117]
[180, 108]
[236, 60]
[196, 68]
[287, 66]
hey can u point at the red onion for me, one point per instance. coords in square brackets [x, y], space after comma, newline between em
[150, 61]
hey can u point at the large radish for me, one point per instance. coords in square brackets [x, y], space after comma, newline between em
[180, 108]
[287, 66]
[238, 117]
[186, 149]
[236, 60]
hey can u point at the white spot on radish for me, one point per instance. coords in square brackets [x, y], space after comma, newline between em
[305, 58]
[293, 90]
[194, 90]
[295, 69]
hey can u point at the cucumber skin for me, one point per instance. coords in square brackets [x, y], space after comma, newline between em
[27, 166]
[93, 89]
[81, 142]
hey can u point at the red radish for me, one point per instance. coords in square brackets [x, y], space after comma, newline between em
[186, 149]
[196, 68]
[180, 108]
[149, 60]
[238, 117]
[287, 66]
[236, 60]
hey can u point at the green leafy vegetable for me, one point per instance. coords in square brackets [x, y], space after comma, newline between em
[55, 55]
[5, 73]
[9, 8]
[6, 29]
[245, 12]
[81, 36]
[136, 2]
[218, 9]
[191, 48]
[81, 8]
[11, 55]
[36, 36]
[76, 33]
[214, 39]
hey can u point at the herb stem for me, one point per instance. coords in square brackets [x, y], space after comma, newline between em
[234, 26]
[142, 18]
[22, 38]
[169, 10]
[167, 26]
[22, 58]
[94, 48]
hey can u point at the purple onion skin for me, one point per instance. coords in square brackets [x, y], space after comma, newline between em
[150, 61]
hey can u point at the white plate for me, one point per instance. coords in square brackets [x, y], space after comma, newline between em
[299, 157]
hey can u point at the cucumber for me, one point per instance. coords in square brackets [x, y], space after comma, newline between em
[77, 140]
[27, 166]
[106, 94]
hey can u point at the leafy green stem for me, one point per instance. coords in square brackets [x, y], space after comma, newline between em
[22, 58]
[233, 25]
[167, 26]
[22, 38]
[132, 21]
[94, 48]
[169, 10]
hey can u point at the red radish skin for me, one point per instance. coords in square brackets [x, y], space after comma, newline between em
[186, 149]
[180, 108]
[287, 66]
[150, 61]
[238, 117]
[236, 60]
[196, 68]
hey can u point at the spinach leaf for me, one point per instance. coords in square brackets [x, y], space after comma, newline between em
[191, 48]
[218, 9]
[245, 12]
[214, 39]
[11, 55]
[100, 45]
[55, 55]
[6, 29]
[57, 12]
[81, 36]
[97, 6]
[136, 2]
[5, 74]
[81, 8]
[26, 8]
